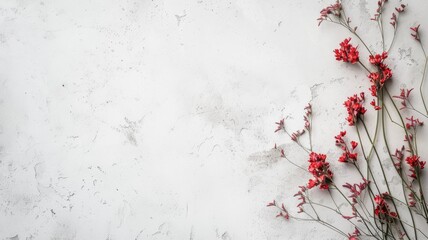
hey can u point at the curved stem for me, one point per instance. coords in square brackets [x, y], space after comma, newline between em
[359, 214]
[369, 170]
[399, 172]
[423, 78]
[401, 119]
[384, 175]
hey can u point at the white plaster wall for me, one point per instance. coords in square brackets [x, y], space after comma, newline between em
[151, 119]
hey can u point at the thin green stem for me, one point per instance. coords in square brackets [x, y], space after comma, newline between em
[398, 171]
[401, 119]
[423, 78]
[359, 214]
[367, 161]
[383, 173]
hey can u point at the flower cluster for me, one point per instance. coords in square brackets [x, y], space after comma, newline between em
[301, 197]
[399, 155]
[379, 9]
[348, 154]
[404, 96]
[354, 106]
[412, 200]
[413, 123]
[334, 9]
[347, 52]
[415, 165]
[356, 189]
[283, 211]
[394, 19]
[306, 118]
[375, 105]
[320, 170]
[415, 33]
[308, 113]
[373, 214]
[401, 8]
[378, 79]
[295, 135]
[280, 125]
[378, 58]
[354, 235]
[382, 209]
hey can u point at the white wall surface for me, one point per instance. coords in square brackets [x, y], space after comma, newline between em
[150, 119]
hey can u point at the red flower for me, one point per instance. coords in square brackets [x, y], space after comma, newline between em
[297, 134]
[373, 103]
[394, 16]
[415, 33]
[334, 9]
[357, 189]
[404, 96]
[347, 52]
[379, 200]
[354, 235]
[401, 8]
[412, 200]
[355, 108]
[339, 138]
[386, 72]
[348, 153]
[346, 156]
[283, 211]
[378, 79]
[354, 144]
[280, 125]
[308, 113]
[379, 9]
[415, 165]
[273, 203]
[301, 196]
[320, 170]
[374, 76]
[312, 183]
[382, 209]
[413, 123]
[399, 155]
[378, 58]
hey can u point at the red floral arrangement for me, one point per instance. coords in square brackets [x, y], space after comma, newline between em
[374, 207]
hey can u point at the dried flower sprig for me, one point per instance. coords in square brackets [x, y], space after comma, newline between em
[377, 214]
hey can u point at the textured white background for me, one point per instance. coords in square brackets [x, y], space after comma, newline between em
[150, 119]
